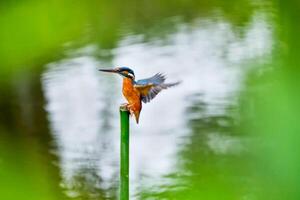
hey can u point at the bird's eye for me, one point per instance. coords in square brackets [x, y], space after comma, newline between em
[127, 74]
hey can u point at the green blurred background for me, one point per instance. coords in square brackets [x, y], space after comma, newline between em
[263, 114]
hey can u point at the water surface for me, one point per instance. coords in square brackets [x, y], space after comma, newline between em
[82, 106]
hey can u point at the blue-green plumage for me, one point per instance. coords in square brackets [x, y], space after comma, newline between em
[156, 84]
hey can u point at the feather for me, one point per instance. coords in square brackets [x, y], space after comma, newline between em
[150, 87]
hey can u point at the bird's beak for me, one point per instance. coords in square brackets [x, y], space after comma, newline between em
[109, 70]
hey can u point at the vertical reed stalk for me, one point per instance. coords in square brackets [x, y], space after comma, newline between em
[124, 154]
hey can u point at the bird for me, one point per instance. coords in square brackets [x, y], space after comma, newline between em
[136, 92]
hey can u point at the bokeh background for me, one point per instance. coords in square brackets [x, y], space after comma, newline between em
[229, 131]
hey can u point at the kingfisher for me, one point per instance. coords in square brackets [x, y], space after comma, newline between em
[143, 90]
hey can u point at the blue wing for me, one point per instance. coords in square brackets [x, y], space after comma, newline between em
[150, 87]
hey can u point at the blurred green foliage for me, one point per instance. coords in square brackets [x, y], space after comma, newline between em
[33, 31]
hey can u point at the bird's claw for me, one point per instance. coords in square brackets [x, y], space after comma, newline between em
[124, 106]
[130, 110]
[128, 107]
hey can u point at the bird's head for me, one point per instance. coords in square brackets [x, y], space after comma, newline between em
[123, 71]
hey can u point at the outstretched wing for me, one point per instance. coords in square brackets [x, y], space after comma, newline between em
[150, 87]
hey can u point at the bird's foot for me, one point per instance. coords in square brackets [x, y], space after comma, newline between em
[124, 106]
[129, 108]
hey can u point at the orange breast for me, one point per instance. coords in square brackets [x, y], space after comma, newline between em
[130, 93]
[133, 97]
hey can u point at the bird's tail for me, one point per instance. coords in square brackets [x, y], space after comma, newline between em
[135, 110]
[137, 116]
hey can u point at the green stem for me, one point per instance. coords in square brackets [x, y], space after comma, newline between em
[124, 153]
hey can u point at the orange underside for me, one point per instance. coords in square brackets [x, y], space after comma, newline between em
[133, 97]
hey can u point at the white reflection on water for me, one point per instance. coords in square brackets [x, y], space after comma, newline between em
[83, 103]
